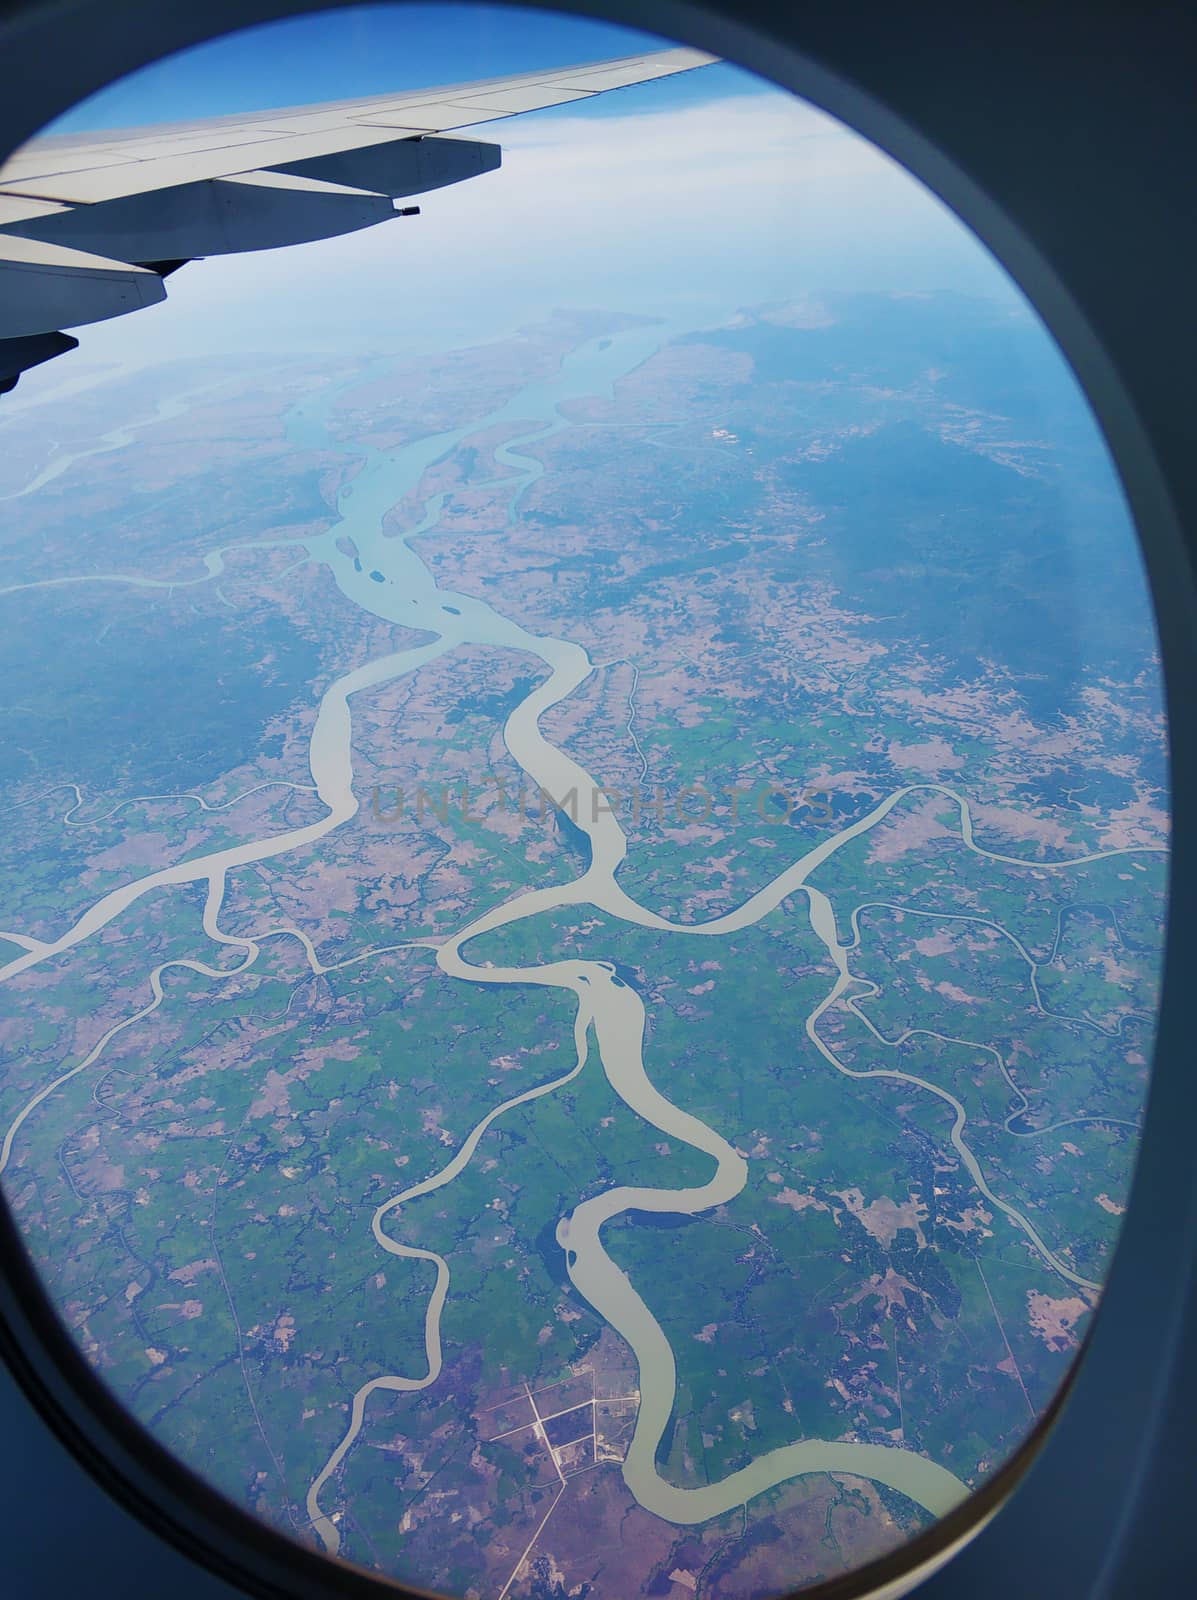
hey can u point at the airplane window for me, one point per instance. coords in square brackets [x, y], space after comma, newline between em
[586, 807]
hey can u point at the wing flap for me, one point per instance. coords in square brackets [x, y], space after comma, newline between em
[401, 167]
[15, 208]
[218, 216]
[18, 355]
[47, 287]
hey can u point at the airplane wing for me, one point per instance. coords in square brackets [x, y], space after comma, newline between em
[90, 226]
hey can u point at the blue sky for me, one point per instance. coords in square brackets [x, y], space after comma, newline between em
[382, 49]
[690, 197]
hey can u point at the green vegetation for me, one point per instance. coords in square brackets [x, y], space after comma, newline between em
[878, 553]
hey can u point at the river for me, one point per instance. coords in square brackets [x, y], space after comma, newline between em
[389, 579]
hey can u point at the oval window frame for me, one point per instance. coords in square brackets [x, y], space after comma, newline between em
[1142, 1318]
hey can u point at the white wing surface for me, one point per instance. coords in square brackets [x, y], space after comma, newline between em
[90, 225]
